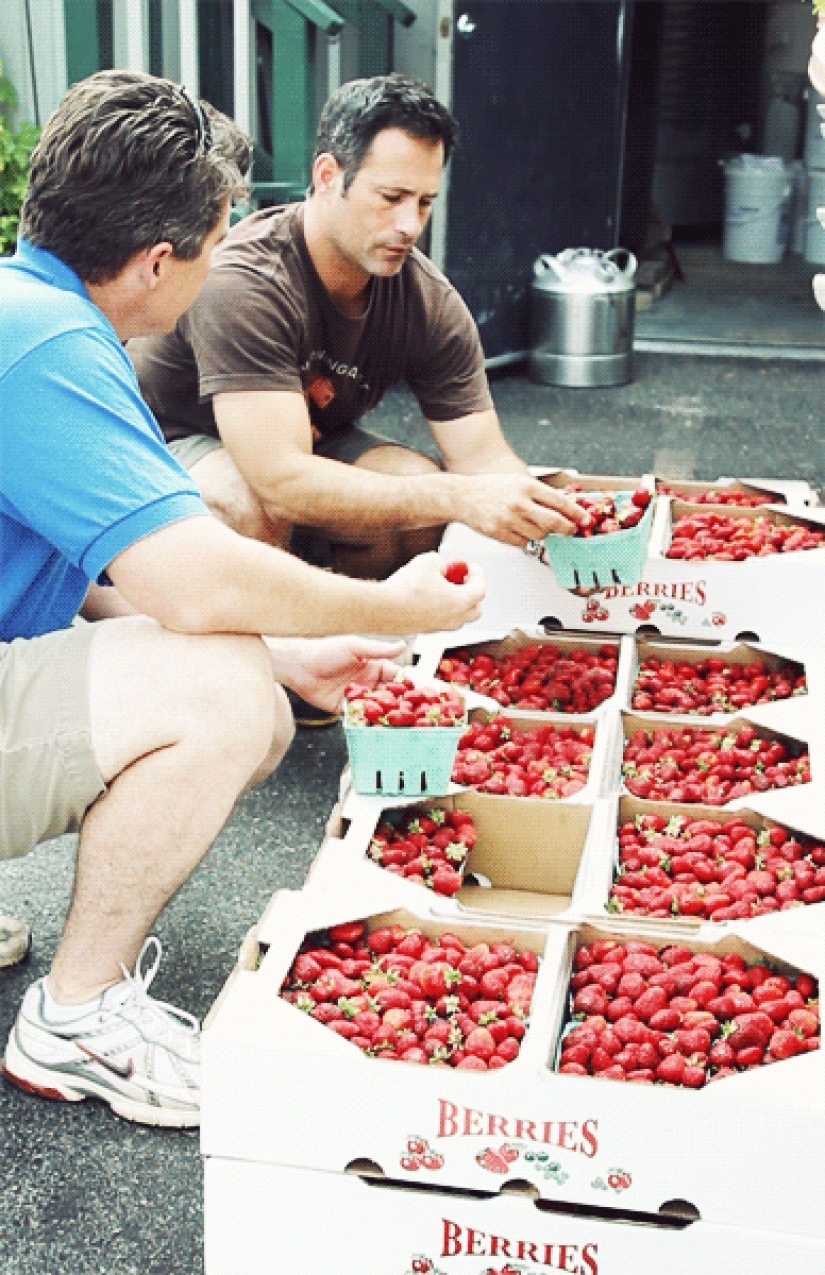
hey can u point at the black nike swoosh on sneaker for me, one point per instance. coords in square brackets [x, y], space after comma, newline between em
[125, 1072]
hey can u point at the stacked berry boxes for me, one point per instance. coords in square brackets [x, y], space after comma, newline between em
[493, 1079]
[289, 1101]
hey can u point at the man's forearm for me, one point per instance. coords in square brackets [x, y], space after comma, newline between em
[332, 496]
[197, 576]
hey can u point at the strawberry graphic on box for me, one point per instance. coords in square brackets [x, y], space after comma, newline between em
[421, 1265]
[492, 1161]
[420, 1155]
[618, 1179]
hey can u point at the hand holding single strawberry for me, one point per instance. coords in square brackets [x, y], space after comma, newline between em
[420, 592]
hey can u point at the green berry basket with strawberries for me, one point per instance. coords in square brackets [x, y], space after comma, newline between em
[401, 738]
[611, 548]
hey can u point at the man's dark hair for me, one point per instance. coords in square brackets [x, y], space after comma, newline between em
[361, 109]
[126, 161]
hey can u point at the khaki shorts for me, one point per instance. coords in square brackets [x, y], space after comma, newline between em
[48, 773]
[348, 446]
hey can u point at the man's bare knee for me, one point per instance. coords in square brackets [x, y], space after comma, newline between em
[230, 498]
[282, 736]
[152, 689]
[394, 459]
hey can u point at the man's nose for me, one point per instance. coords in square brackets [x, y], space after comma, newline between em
[409, 220]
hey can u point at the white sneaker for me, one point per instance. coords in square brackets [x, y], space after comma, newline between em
[139, 1055]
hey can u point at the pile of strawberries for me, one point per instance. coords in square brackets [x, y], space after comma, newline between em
[394, 993]
[429, 847]
[699, 764]
[715, 870]
[681, 1018]
[712, 685]
[728, 539]
[540, 678]
[606, 515]
[720, 496]
[547, 761]
[402, 703]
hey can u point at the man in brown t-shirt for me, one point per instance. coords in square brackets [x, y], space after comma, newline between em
[310, 313]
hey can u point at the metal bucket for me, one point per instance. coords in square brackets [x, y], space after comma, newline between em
[583, 305]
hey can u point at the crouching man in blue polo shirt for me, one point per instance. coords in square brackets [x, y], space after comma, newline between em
[141, 730]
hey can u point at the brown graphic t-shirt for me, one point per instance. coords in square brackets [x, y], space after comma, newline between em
[265, 322]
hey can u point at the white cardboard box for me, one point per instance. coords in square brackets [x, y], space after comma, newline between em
[280, 1088]
[702, 600]
[266, 1218]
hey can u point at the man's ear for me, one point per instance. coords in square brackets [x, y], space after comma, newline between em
[325, 173]
[151, 263]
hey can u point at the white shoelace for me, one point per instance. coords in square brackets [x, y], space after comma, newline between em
[138, 994]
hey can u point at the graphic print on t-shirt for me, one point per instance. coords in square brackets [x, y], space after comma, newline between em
[326, 379]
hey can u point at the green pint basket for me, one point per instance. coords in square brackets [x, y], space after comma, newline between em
[412, 760]
[594, 562]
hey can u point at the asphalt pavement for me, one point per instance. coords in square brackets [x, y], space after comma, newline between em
[85, 1193]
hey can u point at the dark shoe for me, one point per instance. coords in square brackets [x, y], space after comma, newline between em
[15, 940]
[307, 714]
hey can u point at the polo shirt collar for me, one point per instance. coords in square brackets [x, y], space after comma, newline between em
[48, 267]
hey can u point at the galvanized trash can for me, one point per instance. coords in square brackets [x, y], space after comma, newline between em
[583, 307]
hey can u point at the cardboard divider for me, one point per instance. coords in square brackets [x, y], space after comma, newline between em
[530, 861]
[562, 478]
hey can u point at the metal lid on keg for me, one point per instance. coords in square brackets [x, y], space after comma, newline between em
[585, 270]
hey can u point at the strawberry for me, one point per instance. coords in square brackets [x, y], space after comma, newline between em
[784, 1043]
[456, 572]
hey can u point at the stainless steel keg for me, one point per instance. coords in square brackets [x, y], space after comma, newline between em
[583, 305]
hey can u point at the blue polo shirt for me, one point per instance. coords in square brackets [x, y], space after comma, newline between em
[84, 470]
